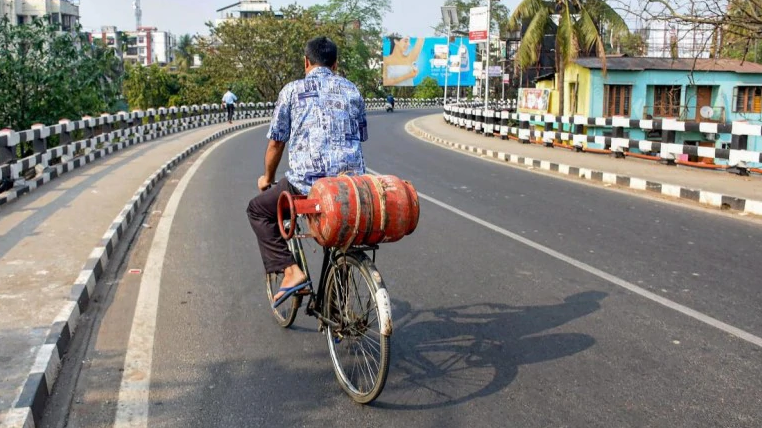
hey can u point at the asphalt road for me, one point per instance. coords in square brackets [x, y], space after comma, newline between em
[488, 331]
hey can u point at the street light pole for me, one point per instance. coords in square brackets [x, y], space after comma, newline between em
[447, 66]
[489, 36]
[460, 67]
[450, 18]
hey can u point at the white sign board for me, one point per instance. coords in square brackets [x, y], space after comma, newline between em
[441, 52]
[478, 70]
[479, 25]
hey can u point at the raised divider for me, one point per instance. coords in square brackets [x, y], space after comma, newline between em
[496, 121]
[713, 199]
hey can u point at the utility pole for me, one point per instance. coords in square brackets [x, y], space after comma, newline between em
[489, 37]
[447, 66]
[460, 67]
[450, 18]
[138, 14]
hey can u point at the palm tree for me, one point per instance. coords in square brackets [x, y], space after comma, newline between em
[184, 52]
[576, 31]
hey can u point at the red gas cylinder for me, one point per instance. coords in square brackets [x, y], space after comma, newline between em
[360, 210]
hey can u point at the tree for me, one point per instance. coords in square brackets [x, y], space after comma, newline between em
[184, 52]
[632, 44]
[149, 87]
[359, 24]
[47, 75]
[428, 89]
[264, 53]
[576, 30]
[500, 15]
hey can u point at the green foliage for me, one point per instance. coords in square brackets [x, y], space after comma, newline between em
[46, 75]
[577, 30]
[428, 89]
[262, 54]
[359, 24]
[633, 44]
[149, 87]
[184, 52]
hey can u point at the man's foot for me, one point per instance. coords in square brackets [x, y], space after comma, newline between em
[292, 277]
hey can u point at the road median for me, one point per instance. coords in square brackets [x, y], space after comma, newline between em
[711, 188]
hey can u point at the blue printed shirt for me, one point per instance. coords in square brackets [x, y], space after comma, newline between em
[322, 117]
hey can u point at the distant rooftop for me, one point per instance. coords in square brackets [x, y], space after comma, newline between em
[249, 6]
[680, 64]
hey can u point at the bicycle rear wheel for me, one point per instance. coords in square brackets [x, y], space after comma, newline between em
[356, 300]
[285, 314]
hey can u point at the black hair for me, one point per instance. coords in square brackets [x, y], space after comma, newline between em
[322, 51]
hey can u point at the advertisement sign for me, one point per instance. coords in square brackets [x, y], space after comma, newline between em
[409, 60]
[441, 53]
[495, 71]
[506, 78]
[534, 101]
[479, 24]
[479, 70]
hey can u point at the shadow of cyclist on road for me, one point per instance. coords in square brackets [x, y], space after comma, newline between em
[448, 356]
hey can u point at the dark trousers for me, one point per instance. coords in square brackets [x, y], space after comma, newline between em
[231, 110]
[263, 216]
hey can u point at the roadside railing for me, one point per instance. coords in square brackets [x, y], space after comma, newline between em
[685, 113]
[570, 132]
[56, 149]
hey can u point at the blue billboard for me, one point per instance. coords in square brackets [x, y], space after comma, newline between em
[409, 60]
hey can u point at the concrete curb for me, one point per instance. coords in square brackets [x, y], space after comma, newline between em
[28, 409]
[712, 199]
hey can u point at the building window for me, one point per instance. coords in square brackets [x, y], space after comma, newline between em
[748, 99]
[141, 40]
[142, 51]
[617, 100]
[667, 101]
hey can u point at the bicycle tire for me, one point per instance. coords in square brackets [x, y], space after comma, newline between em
[356, 329]
[285, 314]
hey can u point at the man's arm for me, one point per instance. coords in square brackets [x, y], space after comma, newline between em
[279, 133]
[272, 159]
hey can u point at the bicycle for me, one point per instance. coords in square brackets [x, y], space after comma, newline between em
[356, 319]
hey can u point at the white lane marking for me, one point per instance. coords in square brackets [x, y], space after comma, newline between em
[741, 334]
[132, 410]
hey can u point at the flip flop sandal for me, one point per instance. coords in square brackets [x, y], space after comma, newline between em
[290, 292]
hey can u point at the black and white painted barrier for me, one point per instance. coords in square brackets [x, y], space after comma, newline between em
[68, 145]
[380, 103]
[498, 122]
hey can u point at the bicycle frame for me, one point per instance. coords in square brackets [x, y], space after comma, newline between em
[330, 257]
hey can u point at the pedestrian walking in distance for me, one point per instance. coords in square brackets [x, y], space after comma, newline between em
[229, 100]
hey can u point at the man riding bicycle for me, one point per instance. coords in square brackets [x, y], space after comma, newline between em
[322, 119]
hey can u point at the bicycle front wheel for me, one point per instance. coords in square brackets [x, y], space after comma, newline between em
[357, 303]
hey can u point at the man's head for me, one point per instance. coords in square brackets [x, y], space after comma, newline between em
[321, 52]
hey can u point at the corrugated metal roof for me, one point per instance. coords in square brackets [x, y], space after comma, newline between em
[682, 64]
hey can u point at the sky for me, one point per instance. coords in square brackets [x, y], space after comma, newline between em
[410, 17]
